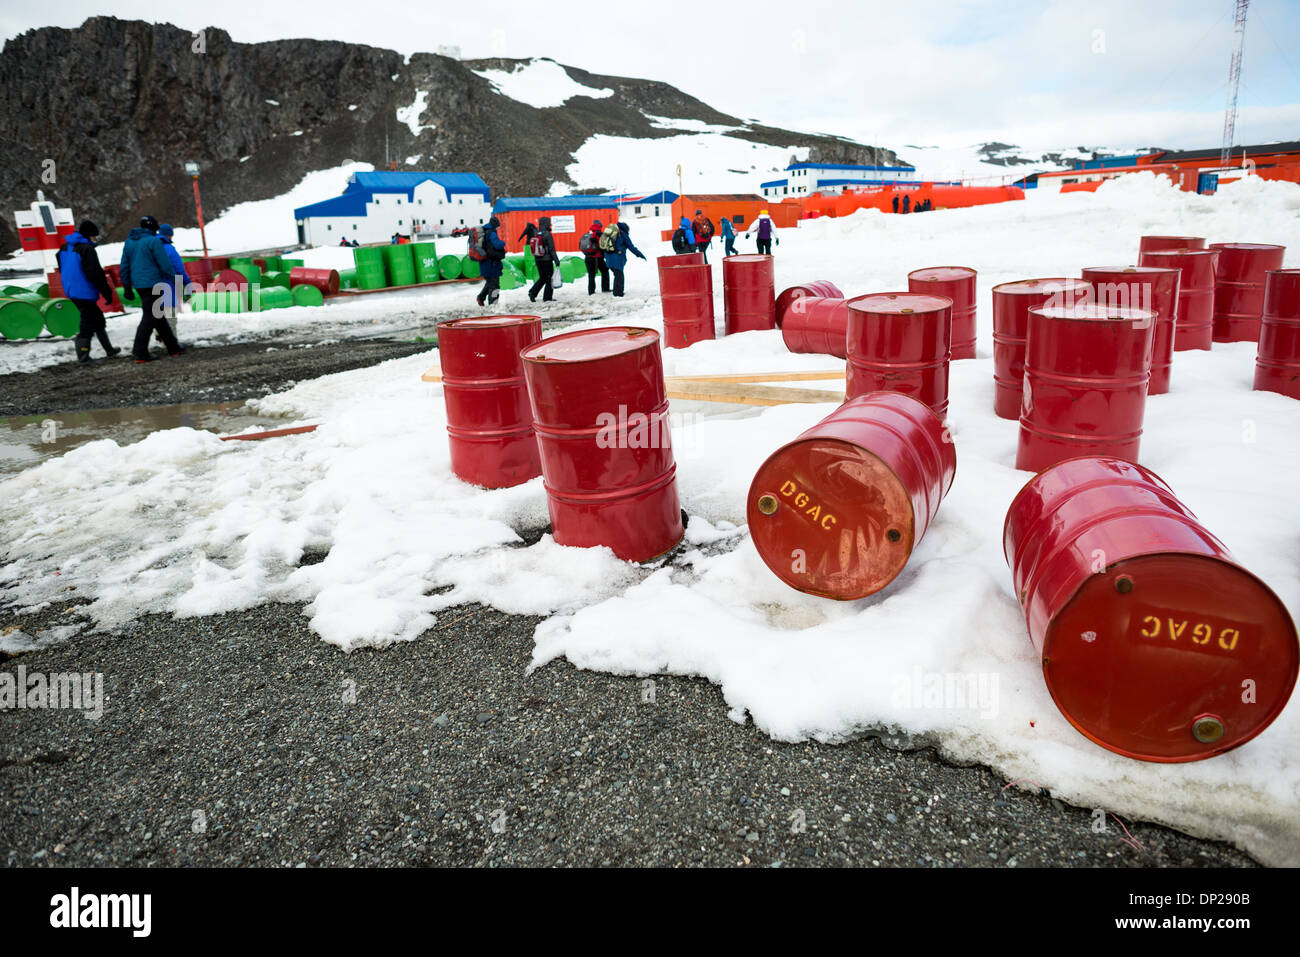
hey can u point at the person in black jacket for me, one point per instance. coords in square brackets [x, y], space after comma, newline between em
[542, 245]
[529, 232]
[84, 283]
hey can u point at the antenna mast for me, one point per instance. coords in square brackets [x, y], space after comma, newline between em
[1234, 80]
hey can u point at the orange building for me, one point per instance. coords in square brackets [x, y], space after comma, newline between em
[741, 208]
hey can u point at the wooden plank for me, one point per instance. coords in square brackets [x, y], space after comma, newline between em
[743, 393]
[432, 374]
[759, 377]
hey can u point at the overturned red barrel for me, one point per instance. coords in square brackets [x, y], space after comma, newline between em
[1011, 304]
[200, 272]
[818, 288]
[1277, 365]
[326, 280]
[838, 511]
[219, 263]
[900, 342]
[489, 419]
[228, 279]
[601, 414]
[1239, 288]
[958, 284]
[1086, 373]
[1155, 643]
[1150, 244]
[1151, 288]
[817, 325]
[1194, 314]
[748, 293]
[686, 298]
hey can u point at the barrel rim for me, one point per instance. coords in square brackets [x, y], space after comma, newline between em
[639, 330]
[1006, 287]
[971, 270]
[489, 322]
[1109, 313]
[922, 313]
[1247, 246]
[1139, 270]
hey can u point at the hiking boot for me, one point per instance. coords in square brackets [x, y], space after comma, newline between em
[112, 352]
[180, 351]
[143, 358]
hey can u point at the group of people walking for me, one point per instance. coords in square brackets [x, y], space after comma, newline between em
[907, 206]
[695, 236]
[151, 268]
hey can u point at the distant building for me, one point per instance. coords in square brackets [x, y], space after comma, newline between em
[804, 179]
[1192, 170]
[642, 206]
[376, 205]
[571, 216]
[741, 208]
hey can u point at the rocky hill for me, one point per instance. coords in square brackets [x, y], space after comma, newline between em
[119, 106]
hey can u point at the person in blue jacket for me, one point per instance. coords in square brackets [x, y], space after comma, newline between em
[617, 260]
[490, 267]
[728, 238]
[175, 292]
[147, 269]
[684, 238]
[85, 284]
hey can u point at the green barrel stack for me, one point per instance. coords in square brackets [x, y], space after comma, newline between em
[61, 317]
[449, 267]
[426, 262]
[372, 272]
[400, 262]
[304, 295]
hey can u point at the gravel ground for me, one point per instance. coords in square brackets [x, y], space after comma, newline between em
[242, 740]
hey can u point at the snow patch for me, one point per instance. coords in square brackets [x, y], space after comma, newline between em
[410, 115]
[540, 83]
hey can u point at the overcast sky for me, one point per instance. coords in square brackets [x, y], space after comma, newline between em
[1121, 73]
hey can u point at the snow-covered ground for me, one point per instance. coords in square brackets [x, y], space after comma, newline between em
[182, 523]
[541, 83]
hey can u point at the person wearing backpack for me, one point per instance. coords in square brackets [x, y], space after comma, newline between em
[703, 229]
[493, 249]
[616, 258]
[764, 226]
[728, 238]
[542, 245]
[85, 284]
[589, 245]
[683, 238]
[145, 268]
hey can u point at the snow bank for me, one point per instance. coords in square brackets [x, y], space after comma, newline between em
[184, 524]
[711, 162]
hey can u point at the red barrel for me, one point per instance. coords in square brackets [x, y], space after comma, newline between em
[114, 274]
[838, 511]
[228, 279]
[819, 288]
[1194, 314]
[900, 342]
[601, 414]
[1150, 244]
[958, 284]
[1239, 288]
[489, 420]
[686, 298]
[1277, 366]
[1011, 304]
[1086, 373]
[817, 325]
[219, 263]
[200, 272]
[748, 293]
[1148, 629]
[1149, 288]
[680, 259]
[260, 264]
[326, 280]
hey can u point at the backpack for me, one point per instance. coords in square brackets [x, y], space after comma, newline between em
[609, 239]
[679, 241]
[587, 244]
[475, 250]
[536, 246]
[708, 230]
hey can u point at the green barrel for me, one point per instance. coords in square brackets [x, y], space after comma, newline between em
[426, 261]
[249, 271]
[276, 279]
[274, 264]
[347, 279]
[530, 266]
[469, 268]
[400, 262]
[43, 289]
[517, 262]
[273, 297]
[511, 278]
[304, 295]
[10, 291]
[449, 267]
[372, 273]
[19, 319]
[61, 317]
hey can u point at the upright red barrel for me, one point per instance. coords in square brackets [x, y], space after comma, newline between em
[817, 325]
[1277, 365]
[326, 280]
[1194, 314]
[489, 419]
[958, 284]
[1011, 304]
[1239, 288]
[1149, 288]
[1150, 244]
[818, 288]
[1086, 373]
[748, 293]
[114, 275]
[686, 298]
[601, 414]
[838, 511]
[680, 259]
[1148, 629]
[900, 342]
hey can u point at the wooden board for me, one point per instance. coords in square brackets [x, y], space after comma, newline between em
[434, 374]
[745, 393]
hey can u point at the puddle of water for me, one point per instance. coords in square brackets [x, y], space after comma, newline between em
[29, 440]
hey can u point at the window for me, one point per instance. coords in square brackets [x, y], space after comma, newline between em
[784, 190]
[442, 222]
[420, 201]
[354, 225]
[329, 228]
[400, 221]
[399, 201]
[738, 219]
[636, 210]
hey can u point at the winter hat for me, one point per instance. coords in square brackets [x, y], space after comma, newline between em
[149, 223]
[597, 222]
[88, 229]
[166, 229]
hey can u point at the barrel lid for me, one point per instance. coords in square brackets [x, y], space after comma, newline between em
[481, 322]
[1092, 312]
[1171, 657]
[1038, 287]
[830, 518]
[745, 258]
[1125, 270]
[1178, 253]
[942, 273]
[1194, 239]
[587, 345]
[900, 303]
[1245, 246]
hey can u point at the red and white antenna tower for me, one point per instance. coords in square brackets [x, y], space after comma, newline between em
[1234, 80]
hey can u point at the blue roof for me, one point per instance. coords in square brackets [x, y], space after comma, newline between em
[864, 182]
[664, 197]
[543, 203]
[349, 204]
[774, 182]
[909, 169]
[393, 182]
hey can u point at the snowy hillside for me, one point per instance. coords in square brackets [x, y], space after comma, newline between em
[228, 523]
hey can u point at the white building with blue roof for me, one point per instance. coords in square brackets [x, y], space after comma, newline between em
[804, 179]
[375, 205]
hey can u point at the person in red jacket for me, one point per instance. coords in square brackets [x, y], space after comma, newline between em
[590, 246]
